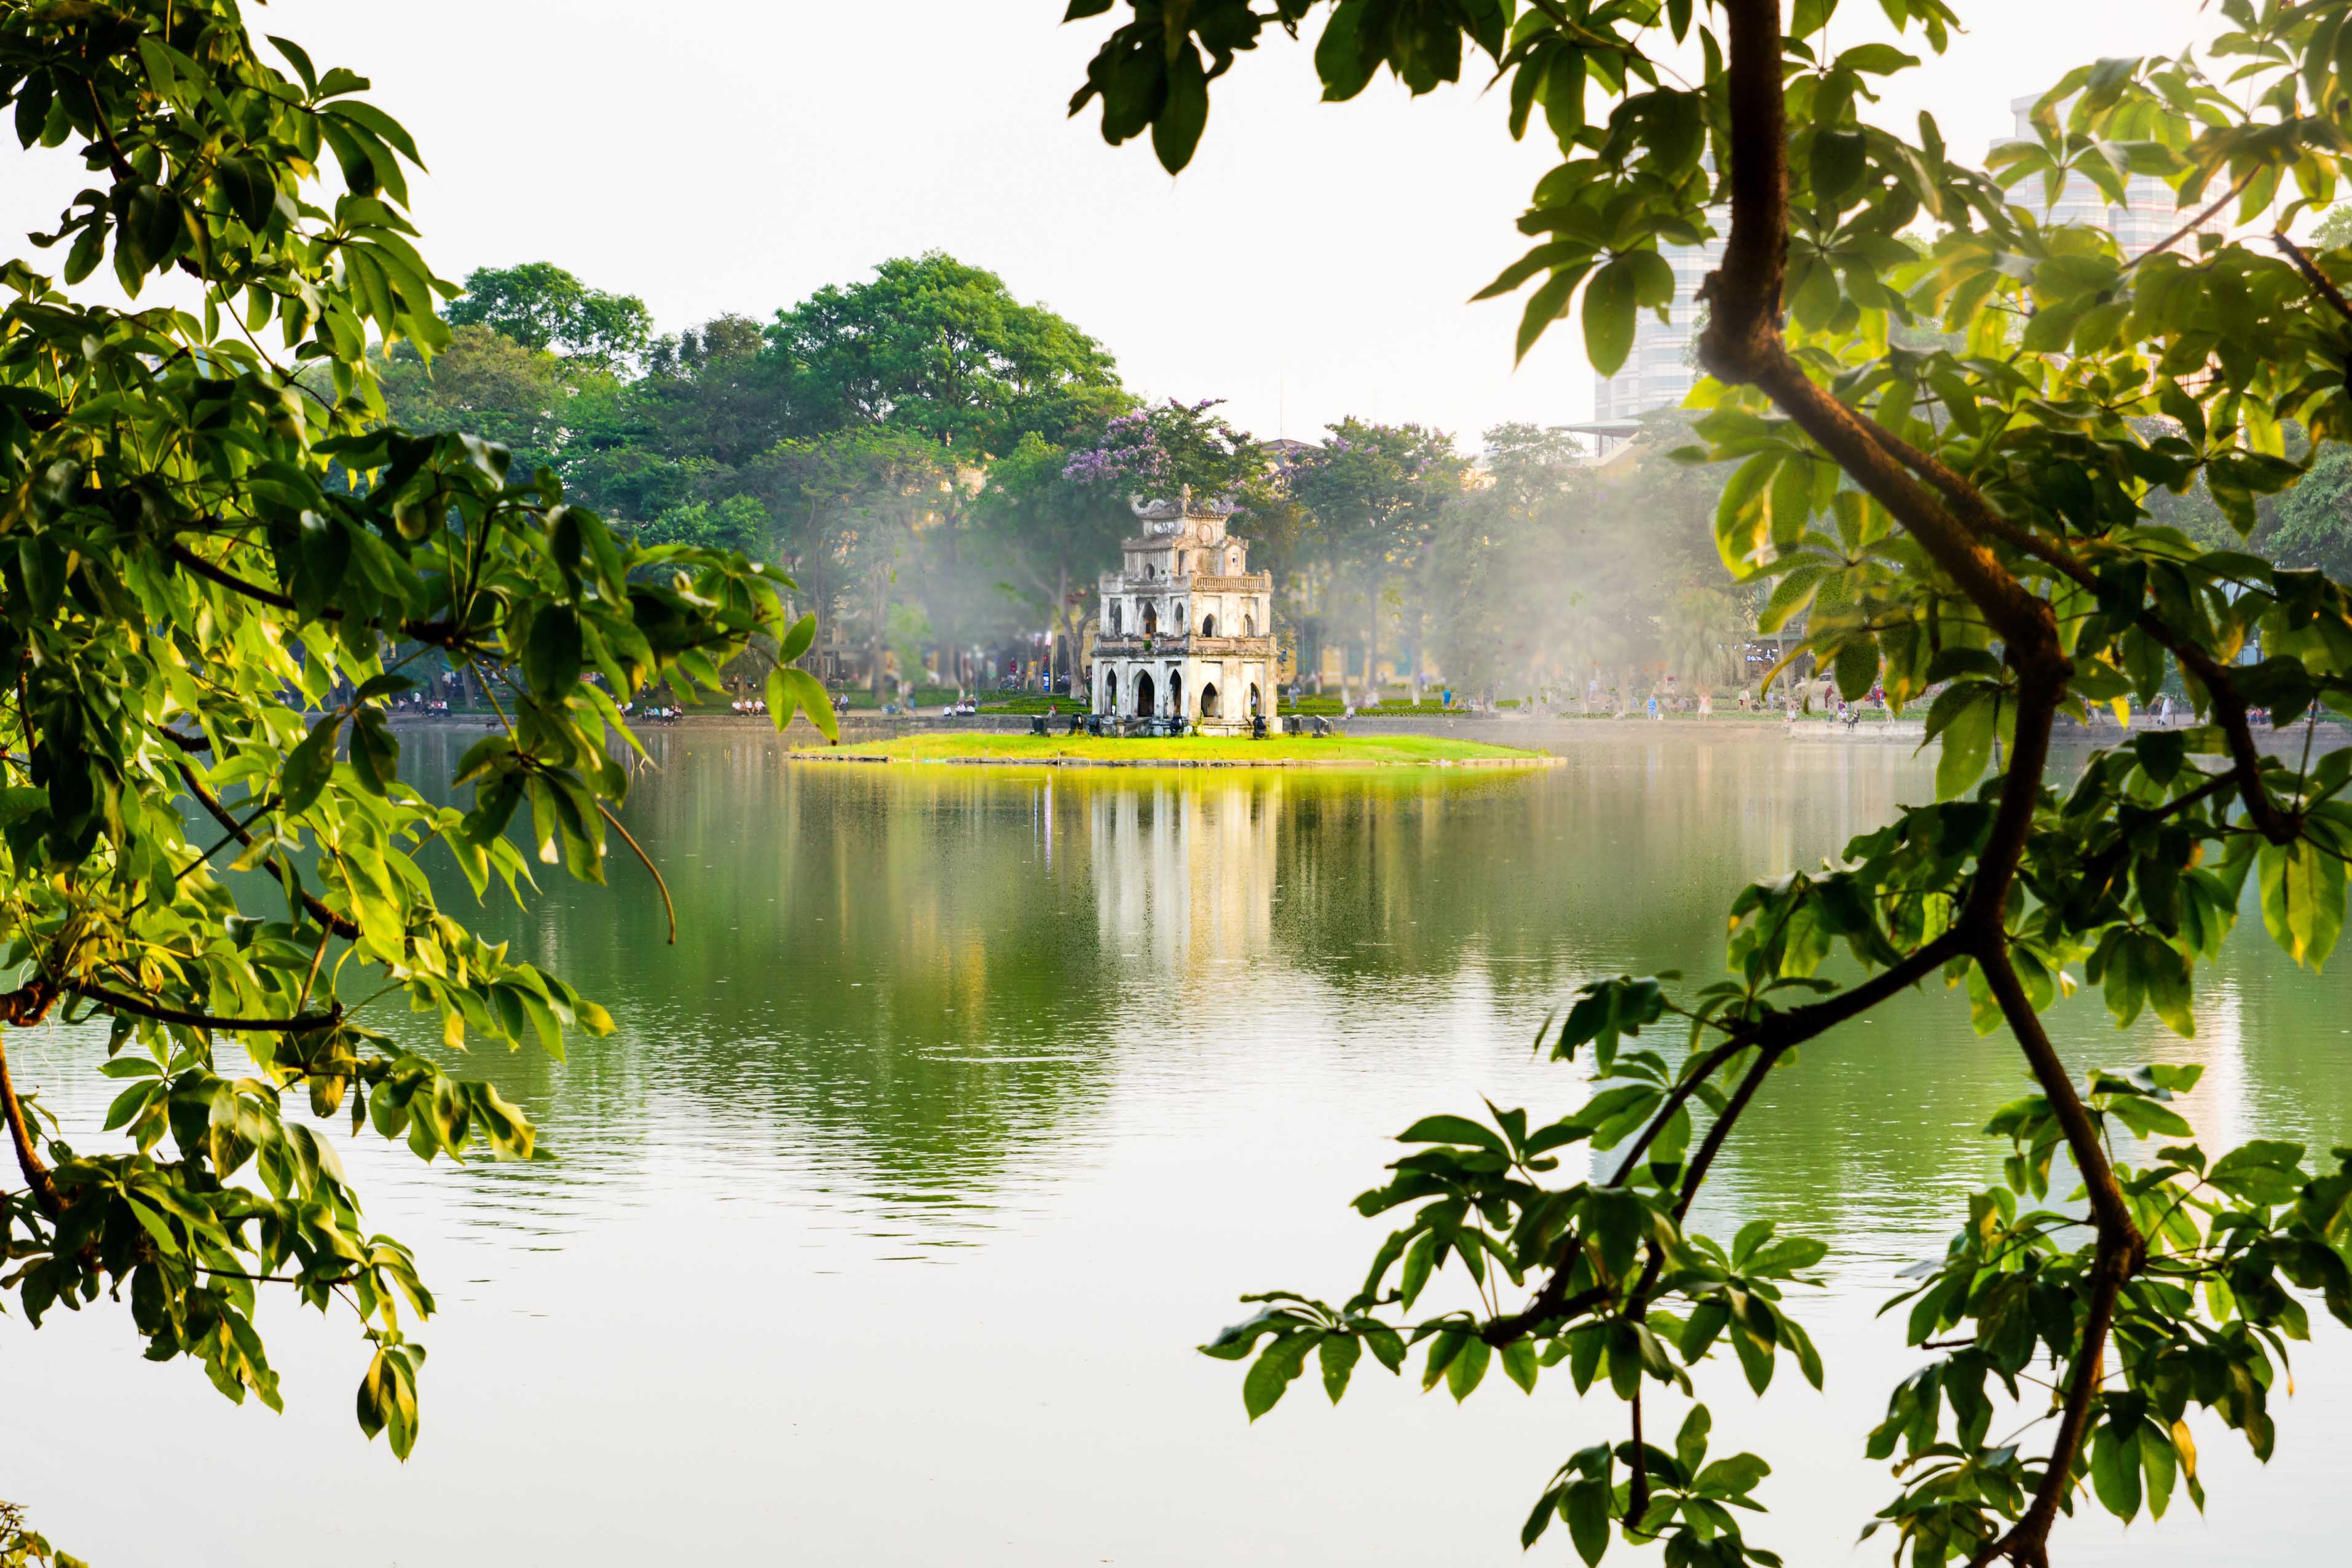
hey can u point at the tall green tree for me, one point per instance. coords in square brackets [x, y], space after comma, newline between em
[850, 510]
[942, 349]
[738, 523]
[710, 395]
[1375, 492]
[2312, 526]
[214, 534]
[539, 407]
[1492, 573]
[1971, 519]
[542, 306]
[1051, 534]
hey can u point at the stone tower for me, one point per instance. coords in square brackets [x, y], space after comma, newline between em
[1187, 628]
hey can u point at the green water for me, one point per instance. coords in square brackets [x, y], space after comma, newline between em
[971, 1098]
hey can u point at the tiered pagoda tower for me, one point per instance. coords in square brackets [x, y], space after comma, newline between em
[1187, 628]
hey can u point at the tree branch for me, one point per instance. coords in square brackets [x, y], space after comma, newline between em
[2120, 1251]
[2198, 221]
[1637, 1486]
[440, 633]
[2228, 707]
[668, 907]
[139, 1007]
[1780, 1032]
[342, 925]
[1775, 1035]
[2319, 281]
[1742, 344]
[28, 1158]
[236, 584]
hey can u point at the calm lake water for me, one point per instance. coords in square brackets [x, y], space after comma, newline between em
[971, 1098]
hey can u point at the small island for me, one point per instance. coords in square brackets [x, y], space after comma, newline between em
[1178, 751]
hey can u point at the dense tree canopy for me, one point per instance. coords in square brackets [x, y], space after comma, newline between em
[933, 345]
[219, 536]
[541, 306]
[1970, 513]
[1376, 492]
[537, 406]
[723, 432]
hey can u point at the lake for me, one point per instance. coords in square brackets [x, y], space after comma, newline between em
[971, 1098]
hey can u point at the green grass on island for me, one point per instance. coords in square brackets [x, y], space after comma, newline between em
[1362, 749]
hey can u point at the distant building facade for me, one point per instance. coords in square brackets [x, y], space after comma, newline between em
[1187, 629]
[1659, 373]
[2150, 216]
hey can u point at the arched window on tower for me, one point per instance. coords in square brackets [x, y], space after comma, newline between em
[1208, 625]
[1150, 619]
[1249, 626]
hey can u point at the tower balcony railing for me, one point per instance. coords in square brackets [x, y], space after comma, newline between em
[1186, 582]
[1180, 644]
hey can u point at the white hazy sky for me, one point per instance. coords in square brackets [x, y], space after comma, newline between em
[1315, 261]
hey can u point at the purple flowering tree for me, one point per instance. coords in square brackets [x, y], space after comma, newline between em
[1160, 449]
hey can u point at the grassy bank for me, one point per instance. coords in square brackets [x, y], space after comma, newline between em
[1373, 750]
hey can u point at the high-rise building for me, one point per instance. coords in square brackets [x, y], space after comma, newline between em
[1659, 373]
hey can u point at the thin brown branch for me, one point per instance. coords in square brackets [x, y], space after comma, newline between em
[2012, 824]
[28, 1158]
[1742, 344]
[340, 924]
[139, 1007]
[2228, 707]
[271, 1278]
[2119, 1253]
[235, 833]
[2320, 283]
[668, 907]
[318, 958]
[1774, 1036]
[2109, 1209]
[2198, 221]
[1712, 1145]
[1676, 1098]
[440, 633]
[1780, 1032]
[1637, 1487]
[237, 585]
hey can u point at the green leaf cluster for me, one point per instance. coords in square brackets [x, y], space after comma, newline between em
[220, 561]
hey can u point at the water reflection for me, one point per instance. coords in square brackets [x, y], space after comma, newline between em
[970, 1097]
